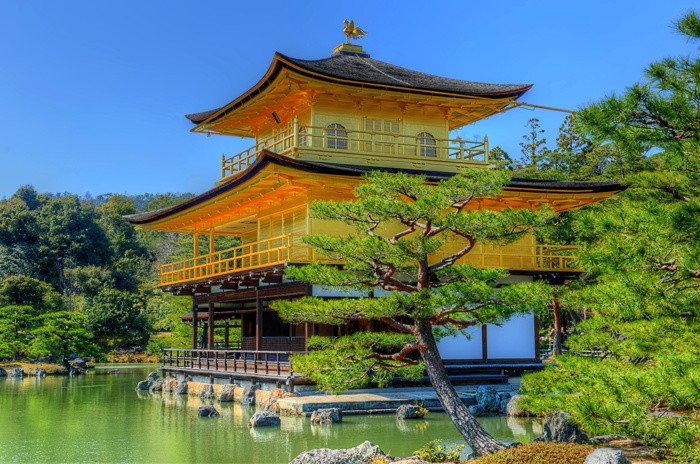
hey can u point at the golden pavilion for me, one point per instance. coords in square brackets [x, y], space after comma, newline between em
[316, 126]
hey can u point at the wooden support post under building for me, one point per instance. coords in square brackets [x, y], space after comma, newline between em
[194, 327]
[210, 335]
[258, 321]
[226, 334]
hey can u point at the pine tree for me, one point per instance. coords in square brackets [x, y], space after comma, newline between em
[409, 237]
[533, 147]
[642, 290]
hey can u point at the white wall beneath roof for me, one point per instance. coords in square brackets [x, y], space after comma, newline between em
[514, 339]
[459, 347]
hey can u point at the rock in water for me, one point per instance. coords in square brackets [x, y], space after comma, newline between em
[181, 388]
[248, 396]
[3, 372]
[79, 363]
[327, 416]
[361, 454]
[606, 456]
[226, 394]
[157, 385]
[144, 385]
[208, 411]
[270, 404]
[410, 411]
[487, 399]
[38, 372]
[153, 376]
[170, 384]
[512, 408]
[73, 370]
[16, 372]
[559, 427]
[264, 419]
[207, 392]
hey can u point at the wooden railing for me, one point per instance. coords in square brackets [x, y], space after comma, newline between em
[289, 249]
[556, 257]
[279, 143]
[253, 363]
[381, 145]
[521, 257]
[270, 252]
[275, 343]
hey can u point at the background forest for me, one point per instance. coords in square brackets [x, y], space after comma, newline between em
[76, 277]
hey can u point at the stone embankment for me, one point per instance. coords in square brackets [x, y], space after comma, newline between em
[77, 366]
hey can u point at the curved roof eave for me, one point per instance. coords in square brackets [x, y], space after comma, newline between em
[305, 67]
[268, 157]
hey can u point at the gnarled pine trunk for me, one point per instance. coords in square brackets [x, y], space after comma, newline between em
[474, 434]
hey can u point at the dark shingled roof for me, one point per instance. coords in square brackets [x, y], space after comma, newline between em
[362, 70]
[268, 157]
[365, 69]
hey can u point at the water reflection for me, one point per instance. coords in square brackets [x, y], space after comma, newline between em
[102, 419]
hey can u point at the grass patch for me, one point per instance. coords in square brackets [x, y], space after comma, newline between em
[27, 367]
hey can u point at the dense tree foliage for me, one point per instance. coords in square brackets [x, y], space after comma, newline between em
[639, 303]
[74, 272]
[408, 237]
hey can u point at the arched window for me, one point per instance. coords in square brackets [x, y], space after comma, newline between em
[426, 145]
[337, 137]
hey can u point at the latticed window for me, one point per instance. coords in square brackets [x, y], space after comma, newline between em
[426, 145]
[336, 137]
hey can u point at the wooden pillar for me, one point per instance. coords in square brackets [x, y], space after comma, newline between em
[194, 326]
[195, 237]
[306, 336]
[212, 241]
[226, 334]
[484, 342]
[258, 322]
[210, 335]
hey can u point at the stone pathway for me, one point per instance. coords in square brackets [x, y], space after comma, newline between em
[376, 400]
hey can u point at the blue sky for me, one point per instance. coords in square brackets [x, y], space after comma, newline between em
[93, 93]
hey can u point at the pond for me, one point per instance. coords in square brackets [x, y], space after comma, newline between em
[100, 418]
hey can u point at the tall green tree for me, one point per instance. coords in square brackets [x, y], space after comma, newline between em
[69, 236]
[23, 300]
[60, 334]
[117, 318]
[408, 239]
[642, 290]
[533, 149]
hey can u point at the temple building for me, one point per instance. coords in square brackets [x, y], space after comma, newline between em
[316, 126]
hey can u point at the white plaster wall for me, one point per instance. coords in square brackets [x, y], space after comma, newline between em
[459, 347]
[514, 339]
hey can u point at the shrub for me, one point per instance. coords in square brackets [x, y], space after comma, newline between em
[435, 451]
[539, 453]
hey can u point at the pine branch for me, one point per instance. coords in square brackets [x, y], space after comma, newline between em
[399, 355]
[399, 326]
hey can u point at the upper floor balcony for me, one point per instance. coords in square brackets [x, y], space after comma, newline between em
[338, 145]
[288, 249]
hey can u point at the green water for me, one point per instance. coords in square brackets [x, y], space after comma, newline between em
[100, 418]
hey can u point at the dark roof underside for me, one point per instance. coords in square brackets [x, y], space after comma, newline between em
[363, 70]
[268, 157]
